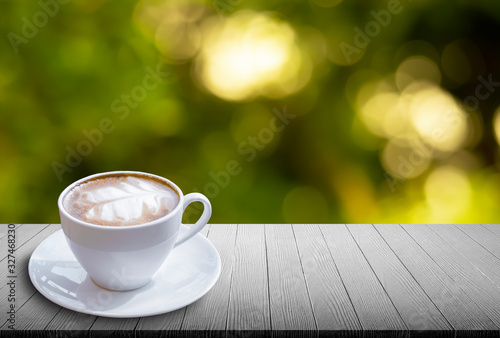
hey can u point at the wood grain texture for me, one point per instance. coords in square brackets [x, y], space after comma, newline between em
[69, 320]
[164, 325]
[24, 289]
[305, 281]
[210, 312]
[482, 236]
[494, 228]
[24, 234]
[332, 307]
[373, 306]
[412, 303]
[36, 313]
[481, 258]
[4, 228]
[477, 286]
[289, 298]
[450, 299]
[249, 296]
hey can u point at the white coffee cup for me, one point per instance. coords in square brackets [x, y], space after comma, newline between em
[126, 257]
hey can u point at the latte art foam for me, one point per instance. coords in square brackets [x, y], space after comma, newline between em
[120, 200]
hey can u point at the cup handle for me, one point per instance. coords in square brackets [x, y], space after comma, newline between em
[207, 212]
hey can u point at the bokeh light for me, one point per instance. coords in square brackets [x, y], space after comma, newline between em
[437, 118]
[251, 54]
[417, 68]
[496, 125]
[405, 160]
[403, 127]
[385, 114]
[173, 26]
[448, 194]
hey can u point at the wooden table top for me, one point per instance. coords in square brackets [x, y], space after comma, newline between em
[304, 280]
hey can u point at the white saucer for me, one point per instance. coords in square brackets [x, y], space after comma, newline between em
[188, 273]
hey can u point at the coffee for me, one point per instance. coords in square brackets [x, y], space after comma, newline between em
[122, 199]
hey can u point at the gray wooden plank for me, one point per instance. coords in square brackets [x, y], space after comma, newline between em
[69, 320]
[35, 313]
[23, 287]
[5, 227]
[249, 296]
[476, 285]
[24, 234]
[22, 254]
[291, 307]
[451, 300]
[372, 304]
[481, 258]
[164, 324]
[332, 307]
[482, 236]
[210, 312]
[3, 230]
[494, 228]
[412, 303]
[21, 237]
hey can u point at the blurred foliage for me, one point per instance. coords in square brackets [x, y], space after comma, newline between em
[387, 125]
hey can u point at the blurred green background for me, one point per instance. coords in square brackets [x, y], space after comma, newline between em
[320, 111]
